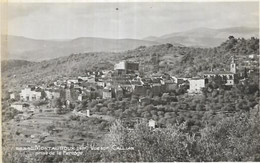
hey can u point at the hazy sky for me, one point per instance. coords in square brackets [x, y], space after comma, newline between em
[125, 20]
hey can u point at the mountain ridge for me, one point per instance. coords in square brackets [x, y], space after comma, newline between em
[205, 37]
[37, 50]
[20, 47]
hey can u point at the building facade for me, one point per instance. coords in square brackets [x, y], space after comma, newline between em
[228, 76]
[127, 66]
[30, 95]
[120, 66]
[12, 96]
[196, 84]
[151, 123]
[107, 93]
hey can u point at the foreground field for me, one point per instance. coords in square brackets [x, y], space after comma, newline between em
[48, 129]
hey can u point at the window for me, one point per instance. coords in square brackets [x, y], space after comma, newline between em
[34, 97]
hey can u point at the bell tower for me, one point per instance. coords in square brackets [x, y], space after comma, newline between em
[233, 66]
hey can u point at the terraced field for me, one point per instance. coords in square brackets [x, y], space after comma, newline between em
[51, 129]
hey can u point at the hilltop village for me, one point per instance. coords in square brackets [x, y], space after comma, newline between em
[124, 81]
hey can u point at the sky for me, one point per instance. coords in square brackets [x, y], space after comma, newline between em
[125, 20]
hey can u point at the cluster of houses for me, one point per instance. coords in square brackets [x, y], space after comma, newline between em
[124, 81]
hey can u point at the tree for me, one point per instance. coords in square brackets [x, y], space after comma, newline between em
[57, 102]
[104, 110]
[218, 82]
[231, 37]
[50, 128]
[231, 139]
[59, 110]
[43, 94]
[165, 97]
[111, 106]
[10, 114]
[149, 107]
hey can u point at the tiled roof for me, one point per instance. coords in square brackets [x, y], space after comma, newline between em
[168, 81]
[156, 80]
[136, 83]
[197, 79]
[218, 72]
[124, 82]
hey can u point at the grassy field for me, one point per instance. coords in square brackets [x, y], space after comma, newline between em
[49, 128]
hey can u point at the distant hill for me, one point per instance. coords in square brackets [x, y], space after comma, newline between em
[37, 50]
[22, 48]
[206, 37]
[151, 38]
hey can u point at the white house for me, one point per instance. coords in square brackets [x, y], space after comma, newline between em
[92, 80]
[28, 95]
[151, 123]
[74, 81]
[252, 56]
[88, 113]
[120, 66]
[107, 93]
[12, 96]
[101, 83]
[126, 65]
[81, 114]
[20, 106]
[80, 97]
[196, 84]
[84, 78]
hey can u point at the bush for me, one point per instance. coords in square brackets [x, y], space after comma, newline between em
[10, 114]
[231, 139]
[40, 103]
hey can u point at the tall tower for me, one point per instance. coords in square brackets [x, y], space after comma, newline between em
[156, 63]
[233, 66]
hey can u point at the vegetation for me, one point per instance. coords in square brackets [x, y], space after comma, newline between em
[9, 114]
[233, 138]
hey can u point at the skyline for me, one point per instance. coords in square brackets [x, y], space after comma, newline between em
[125, 20]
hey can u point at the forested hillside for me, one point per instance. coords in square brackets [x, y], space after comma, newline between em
[176, 60]
[6, 65]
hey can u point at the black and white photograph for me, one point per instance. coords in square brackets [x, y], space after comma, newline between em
[121, 81]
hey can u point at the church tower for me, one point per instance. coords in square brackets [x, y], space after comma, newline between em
[233, 66]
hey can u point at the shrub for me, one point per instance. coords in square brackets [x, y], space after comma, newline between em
[231, 139]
